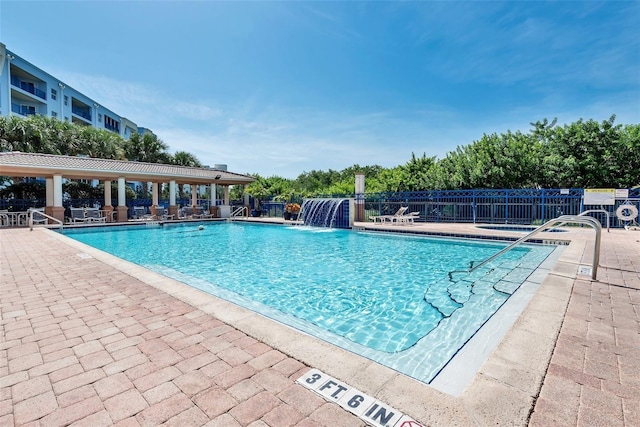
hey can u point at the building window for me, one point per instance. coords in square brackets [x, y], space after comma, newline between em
[54, 94]
[66, 100]
[54, 114]
[100, 117]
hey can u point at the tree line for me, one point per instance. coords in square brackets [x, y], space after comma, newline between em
[48, 135]
[582, 154]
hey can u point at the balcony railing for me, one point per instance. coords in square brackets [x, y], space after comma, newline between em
[82, 113]
[112, 128]
[24, 110]
[28, 87]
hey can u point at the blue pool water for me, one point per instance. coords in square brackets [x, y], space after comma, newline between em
[380, 295]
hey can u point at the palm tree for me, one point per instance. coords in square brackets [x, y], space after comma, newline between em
[146, 148]
[184, 158]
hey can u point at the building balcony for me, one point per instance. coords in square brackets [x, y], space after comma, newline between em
[24, 110]
[112, 128]
[28, 87]
[80, 122]
[85, 114]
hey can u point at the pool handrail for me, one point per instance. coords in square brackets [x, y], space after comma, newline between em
[583, 214]
[30, 220]
[564, 219]
[240, 211]
[598, 210]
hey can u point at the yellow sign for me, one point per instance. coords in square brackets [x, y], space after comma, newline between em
[600, 196]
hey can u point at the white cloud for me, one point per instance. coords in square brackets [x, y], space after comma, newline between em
[275, 140]
[137, 101]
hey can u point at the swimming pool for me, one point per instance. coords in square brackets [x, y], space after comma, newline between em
[384, 296]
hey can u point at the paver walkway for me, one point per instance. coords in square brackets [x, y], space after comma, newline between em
[83, 343]
[594, 375]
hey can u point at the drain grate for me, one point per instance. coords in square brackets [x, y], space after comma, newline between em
[584, 270]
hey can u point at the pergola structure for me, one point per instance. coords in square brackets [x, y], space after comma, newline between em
[54, 168]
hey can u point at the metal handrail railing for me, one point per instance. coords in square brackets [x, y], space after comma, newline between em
[597, 210]
[564, 219]
[586, 212]
[30, 220]
[239, 211]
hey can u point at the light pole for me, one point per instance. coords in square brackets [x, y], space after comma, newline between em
[95, 115]
[9, 59]
[62, 88]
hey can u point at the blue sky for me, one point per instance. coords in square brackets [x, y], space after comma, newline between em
[278, 88]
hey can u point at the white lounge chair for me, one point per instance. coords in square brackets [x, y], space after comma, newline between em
[389, 218]
[77, 215]
[406, 218]
[201, 213]
[186, 213]
[161, 214]
[140, 213]
[37, 218]
[93, 215]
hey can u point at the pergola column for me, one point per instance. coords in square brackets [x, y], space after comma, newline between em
[213, 209]
[154, 193]
[359, 197]
[122, 210]
[57, 210]
[226, 195]
[154, 197]
[173, 209]
[194, 195]
[107, 200]
[49, 195]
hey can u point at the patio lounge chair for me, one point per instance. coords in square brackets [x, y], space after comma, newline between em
[185, 213]
[405, 219]
[140, 213]
[389, 218]
[77, 215]
[201, 213]
[37, 218]
[161, 214]
[93, 215]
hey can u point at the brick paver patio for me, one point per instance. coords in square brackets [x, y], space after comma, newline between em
[82, 343]
[594, 375]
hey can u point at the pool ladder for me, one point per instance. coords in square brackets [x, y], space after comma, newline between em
[42, 214]
[557, 222]
[241, 211]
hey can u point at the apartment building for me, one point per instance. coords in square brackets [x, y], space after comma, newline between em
[26, 89]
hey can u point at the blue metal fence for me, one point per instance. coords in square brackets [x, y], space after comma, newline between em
[521, 206]
[21, 205]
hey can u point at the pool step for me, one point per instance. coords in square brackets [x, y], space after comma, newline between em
[505, 277]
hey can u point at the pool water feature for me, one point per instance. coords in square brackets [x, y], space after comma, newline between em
[326, 212]
[386, 297]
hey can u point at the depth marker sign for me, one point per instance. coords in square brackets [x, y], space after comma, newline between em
[353, 400]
